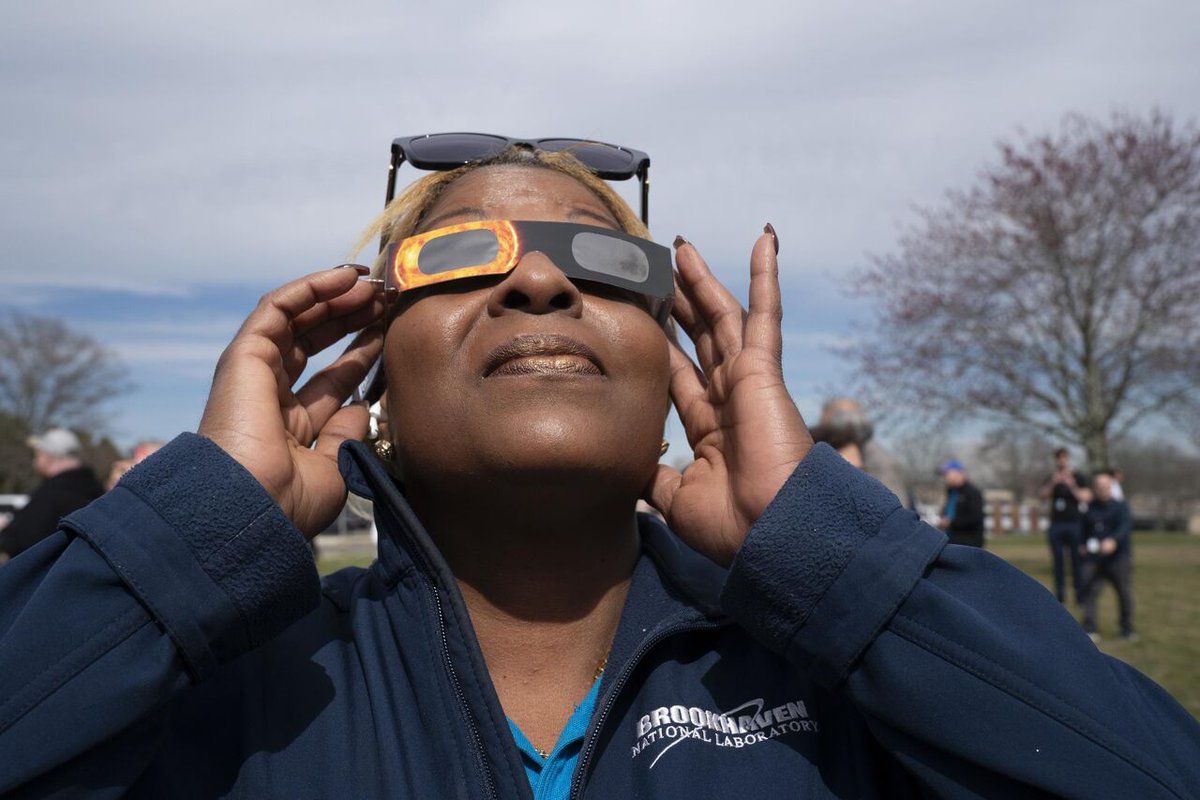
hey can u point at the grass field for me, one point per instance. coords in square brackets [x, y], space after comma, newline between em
[1166, 585]
[1166, 590]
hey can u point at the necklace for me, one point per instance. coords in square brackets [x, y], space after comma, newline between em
[599, 671]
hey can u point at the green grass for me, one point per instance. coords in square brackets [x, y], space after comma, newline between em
[1166, 612]
[1166, 587]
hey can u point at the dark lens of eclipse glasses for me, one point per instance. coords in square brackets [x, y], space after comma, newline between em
[602, 255]
[456, 250]
[606, 255]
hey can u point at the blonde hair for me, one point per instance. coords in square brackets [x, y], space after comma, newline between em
[404, 214]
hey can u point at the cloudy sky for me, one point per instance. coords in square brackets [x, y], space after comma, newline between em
[162, 164]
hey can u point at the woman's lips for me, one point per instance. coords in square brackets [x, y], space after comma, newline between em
[542, 354]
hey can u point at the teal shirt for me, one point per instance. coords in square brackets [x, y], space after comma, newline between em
[551, 777]
[951, 503]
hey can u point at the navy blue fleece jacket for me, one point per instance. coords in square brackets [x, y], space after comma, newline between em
[1109, 519]
[173, 640]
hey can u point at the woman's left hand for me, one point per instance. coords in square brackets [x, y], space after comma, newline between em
[747, 435]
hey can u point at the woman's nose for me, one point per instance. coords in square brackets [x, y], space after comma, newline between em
[535, 286]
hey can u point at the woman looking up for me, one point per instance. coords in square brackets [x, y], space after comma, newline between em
[794, 632]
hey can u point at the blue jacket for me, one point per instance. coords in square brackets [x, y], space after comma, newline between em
[1109, 520]
[173, 640]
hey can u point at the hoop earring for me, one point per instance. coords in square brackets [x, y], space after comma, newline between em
[662, 451]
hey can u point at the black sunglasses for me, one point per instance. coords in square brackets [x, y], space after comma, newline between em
[443, 151]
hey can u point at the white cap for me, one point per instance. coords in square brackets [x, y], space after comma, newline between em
[56, 442]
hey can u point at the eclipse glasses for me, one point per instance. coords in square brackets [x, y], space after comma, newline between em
[445, 151]
[495, 247]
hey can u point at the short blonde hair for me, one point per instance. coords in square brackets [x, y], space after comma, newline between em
[404, 214]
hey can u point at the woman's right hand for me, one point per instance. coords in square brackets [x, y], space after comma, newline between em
[288, 440]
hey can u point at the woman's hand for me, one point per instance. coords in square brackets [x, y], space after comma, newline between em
[289, 440]
[746, 433]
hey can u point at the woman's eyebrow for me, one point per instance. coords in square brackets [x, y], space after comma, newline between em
[464, 211]
[587, 213]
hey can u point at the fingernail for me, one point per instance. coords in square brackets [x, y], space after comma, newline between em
[769, 228]
[680, 242]
[359, 268]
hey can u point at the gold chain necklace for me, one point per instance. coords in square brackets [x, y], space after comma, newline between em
[599, 671]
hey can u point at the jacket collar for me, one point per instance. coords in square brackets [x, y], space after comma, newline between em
[672, 584]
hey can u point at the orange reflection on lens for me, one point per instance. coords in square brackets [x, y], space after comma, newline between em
[405, 268]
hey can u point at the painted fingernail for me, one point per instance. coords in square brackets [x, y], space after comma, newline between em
[359, 268]
[769, 228]
[680, 242]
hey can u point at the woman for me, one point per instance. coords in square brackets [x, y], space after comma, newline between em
[795, 633]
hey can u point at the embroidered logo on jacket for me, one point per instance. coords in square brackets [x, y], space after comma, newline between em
[745, 726]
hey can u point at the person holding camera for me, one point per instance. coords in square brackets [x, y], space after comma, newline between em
[1066, 490]
[1107, 555]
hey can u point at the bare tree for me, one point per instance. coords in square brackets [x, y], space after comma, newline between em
[918, 456]
[1017, 461]
[52, 375]
[1060, 293]
[16, 464]
[1162, 479]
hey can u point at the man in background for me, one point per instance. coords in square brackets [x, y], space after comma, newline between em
[1067, 493]
[1107, 555]
[962, 515]
[68, 485]
[845, 427]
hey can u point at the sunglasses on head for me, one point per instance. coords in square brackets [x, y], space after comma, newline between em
[495, 247]
[445, 151]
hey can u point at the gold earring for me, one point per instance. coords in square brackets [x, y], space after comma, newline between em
[662, 451]
[384, 449]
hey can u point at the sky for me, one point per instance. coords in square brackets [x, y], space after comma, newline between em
[163, 164]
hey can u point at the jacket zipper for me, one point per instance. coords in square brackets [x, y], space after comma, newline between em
[589, 745]
[427, 572]
[480, 758]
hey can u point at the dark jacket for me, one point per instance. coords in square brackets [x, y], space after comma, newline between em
[1109, 520]
[966, 526]
[1064, 505]
[173, 641]
[56, 497]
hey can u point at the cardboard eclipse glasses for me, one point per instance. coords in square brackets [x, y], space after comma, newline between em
[495, 247]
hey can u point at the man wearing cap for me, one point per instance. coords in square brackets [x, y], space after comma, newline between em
[69, 485]
[962, 516]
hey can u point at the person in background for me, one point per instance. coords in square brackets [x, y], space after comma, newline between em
[845, 427]
[1118, 476]
[121, 466]
[68, 485]
[1107, 555]
[962, 515]
[1066, 490]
